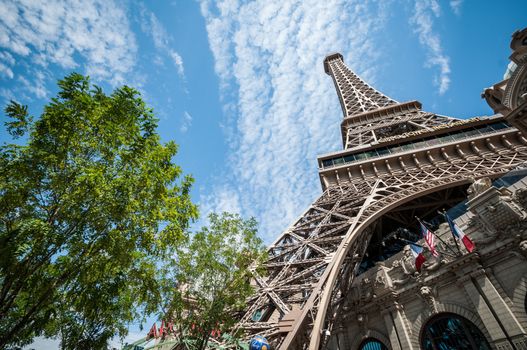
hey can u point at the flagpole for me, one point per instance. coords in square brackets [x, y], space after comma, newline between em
[409, 242]
[453, 235]
[452, 250]
[419, 245]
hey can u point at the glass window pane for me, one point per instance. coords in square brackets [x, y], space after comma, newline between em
[383, 151]
[500, 126]
[359, 156]
[349, 158]
[372, 344]
[449, 332]
[327, 163]
[471, 133]
[447, 138]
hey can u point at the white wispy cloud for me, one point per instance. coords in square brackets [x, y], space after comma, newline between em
[178, 62]
[7, 94]
[268, 54]
[56, 32]
[187, 122]
[455, 5]
[151, 25]
[6, 70]
[156, 29]
[7, 62]
[425, 13]
[225, 198]
[37, 86]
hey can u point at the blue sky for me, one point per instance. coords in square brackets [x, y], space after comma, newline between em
[240, 86]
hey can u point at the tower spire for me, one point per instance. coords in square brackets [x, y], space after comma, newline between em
[369, 116]
[355, 95]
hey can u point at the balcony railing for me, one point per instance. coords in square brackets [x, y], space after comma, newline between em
[431, 141]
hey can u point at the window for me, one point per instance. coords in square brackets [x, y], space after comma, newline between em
[338, 160]
[349, 158]
[372, 344]
[470, 133]
[360, 156]
[452, 332]
[383, 151]
[257, 315]
[500, 126]
[407, 147]
[448, 138]
[485, 130]
[430, 141]
[327, 162]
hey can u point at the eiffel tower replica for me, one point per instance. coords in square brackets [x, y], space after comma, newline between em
[397, 162]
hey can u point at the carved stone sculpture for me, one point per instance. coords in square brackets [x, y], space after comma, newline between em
[478, 186]
[366, 291]
[407, 262]
[520, 197]
[485, 233]
[523, 248]
[428, 296]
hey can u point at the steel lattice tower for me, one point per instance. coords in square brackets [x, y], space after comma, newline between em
[397, 161]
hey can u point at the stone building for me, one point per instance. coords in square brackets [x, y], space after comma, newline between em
[459, 300]
[342, 276]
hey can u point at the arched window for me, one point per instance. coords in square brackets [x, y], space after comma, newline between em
[452, 332]
[372, 344]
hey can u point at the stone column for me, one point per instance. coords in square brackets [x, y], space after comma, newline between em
[390, 327]
[501, 310]
[342, 337]
[503, 327]
[395, 325]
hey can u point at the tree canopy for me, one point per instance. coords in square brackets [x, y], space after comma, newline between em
[92, 208]
[213, 270]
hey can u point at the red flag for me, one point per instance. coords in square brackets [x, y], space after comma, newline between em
[417, 252]
[215, 333]
[152, 333]
[459, 234]
[162, 329]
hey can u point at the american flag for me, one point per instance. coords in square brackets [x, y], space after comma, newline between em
[429, 238]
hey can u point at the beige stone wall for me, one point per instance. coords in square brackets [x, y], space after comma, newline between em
[392, 302]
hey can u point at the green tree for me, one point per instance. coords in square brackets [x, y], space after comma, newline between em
[91, 208]
[213, 271]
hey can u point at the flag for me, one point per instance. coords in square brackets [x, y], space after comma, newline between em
[457, 233]
[152, 333]
[429, 238]
[417, 252]
[162, 329]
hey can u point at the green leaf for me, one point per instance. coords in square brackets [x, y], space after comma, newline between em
[21, 121]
